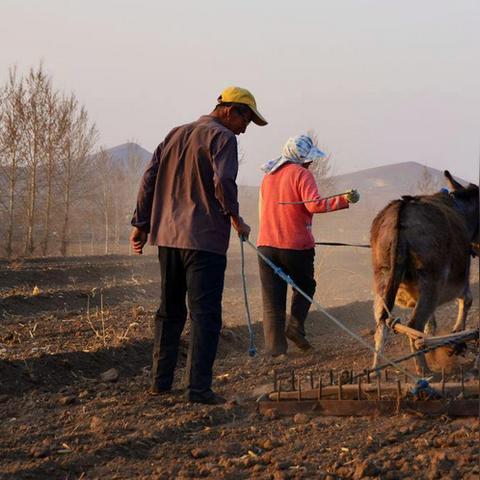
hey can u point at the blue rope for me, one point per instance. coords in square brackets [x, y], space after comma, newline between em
[423, 391]
[252, 351]
[359, 339]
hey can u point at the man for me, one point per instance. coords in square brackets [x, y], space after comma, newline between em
[186, 203]
[285, 237]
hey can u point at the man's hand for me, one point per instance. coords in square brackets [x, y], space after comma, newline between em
[138, 239]
[241, 227]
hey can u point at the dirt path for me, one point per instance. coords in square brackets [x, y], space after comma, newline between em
[60, 419]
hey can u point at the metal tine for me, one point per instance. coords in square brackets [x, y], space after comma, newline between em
[462, 380]
[292, 378]
[399, 389]
[359, 387]
[351, 377]
[443, 381]
[331, 377]
[320, 387]
[340, 390]
[379, 392]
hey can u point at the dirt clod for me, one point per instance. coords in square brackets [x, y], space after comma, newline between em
[110, 375]
[199, 453]
[67, 400]
[97, 425]
[365, 469]
[279, 475]
[271, 414]
[40, 451]
[301, 418]
[441, 463]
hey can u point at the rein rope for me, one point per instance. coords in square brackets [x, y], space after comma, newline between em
[252, 351]
[338, 244]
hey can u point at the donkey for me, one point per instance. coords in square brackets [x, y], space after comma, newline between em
[421, 248]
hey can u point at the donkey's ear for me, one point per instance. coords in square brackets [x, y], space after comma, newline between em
[452, 183]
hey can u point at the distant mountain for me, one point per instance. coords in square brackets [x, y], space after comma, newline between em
[377, 187]
[122, 154]
[392, 181]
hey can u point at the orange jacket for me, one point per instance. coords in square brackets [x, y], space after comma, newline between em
[290, 226]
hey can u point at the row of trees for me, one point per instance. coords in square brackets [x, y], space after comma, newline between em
[57, 189]
[117, 185]
[46, 142]
[54, 189]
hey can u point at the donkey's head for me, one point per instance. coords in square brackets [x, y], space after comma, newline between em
[466, 198]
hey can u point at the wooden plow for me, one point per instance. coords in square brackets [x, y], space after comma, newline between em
[387, 393]
[423, 341]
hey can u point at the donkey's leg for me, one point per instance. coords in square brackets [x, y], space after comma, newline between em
[464, 303]
[431, 326]
[426, 304]
[381, 329]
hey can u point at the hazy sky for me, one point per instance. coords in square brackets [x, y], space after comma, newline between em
[380, 81]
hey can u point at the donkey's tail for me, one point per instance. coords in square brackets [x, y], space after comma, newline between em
[398, 258]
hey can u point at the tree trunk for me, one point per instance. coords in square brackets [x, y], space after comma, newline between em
[106, 232]
[48, 207]
[66, 214]
[116, 226]
[29, 243]
[11, 207]
[92, 240]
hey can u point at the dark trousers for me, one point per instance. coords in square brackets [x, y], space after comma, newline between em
[201, 275]
[298, 264]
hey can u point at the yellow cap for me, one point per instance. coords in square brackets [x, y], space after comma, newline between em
[242, 95]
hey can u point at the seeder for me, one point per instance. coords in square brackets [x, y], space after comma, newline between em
[383, 391]
[293, 393]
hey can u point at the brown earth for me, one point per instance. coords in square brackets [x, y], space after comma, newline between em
[65, 322]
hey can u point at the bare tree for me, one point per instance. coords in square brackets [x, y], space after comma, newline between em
[46, 144]
[33, 122]
[427, 184]
[105, 200]
[11, 104]
[53, 136]
[75, 160]
[322, 169]
[241, 155]
[134, 166]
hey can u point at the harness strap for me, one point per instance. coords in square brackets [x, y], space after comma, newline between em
[338, 244]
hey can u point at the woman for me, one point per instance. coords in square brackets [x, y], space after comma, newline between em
[285, 237]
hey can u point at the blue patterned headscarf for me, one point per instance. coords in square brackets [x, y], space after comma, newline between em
[299, 149]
